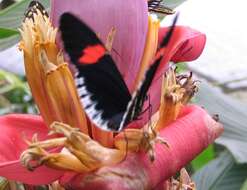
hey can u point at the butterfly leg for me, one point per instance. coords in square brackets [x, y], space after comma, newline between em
[148, 108]
[141, 139]
[144, 139]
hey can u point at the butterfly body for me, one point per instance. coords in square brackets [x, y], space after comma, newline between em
[103, 92]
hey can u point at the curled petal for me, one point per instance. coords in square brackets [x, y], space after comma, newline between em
[186, 45]
[128, 17]
[192, 46]
[187, 137]
[15, 129]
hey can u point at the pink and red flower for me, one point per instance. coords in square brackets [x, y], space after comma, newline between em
[192, 131]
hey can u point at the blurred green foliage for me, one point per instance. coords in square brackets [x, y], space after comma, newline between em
[11, 18]
[5, 33]
[181, 67]
[15, 95]
[206, 156]
[222, 173]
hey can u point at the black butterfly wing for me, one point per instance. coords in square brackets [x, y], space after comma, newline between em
[138, 98]
[103, 92]
[32, 9]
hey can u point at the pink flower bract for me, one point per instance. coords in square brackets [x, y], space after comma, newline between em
[128, 17]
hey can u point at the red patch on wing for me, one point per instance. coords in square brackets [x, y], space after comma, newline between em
[92, 54]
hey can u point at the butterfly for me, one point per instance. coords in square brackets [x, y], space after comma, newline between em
[101, 88]
[32, 9]
[156, 6]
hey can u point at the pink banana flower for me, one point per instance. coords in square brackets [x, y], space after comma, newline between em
[187, 129]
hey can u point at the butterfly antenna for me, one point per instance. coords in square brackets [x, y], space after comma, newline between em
[115, 51]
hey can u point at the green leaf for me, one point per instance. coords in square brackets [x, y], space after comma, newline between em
[11, 18]
[233, 115]
[221, 174]
[206, 156]
[15, 95]
[8, 42]
[5, 33]
[10, 82]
